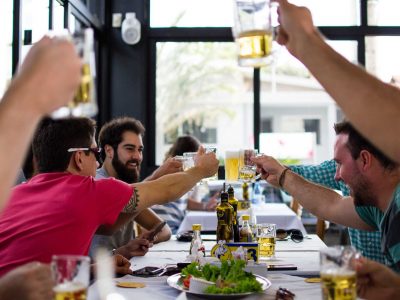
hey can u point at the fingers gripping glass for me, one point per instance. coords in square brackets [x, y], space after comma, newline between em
[295, 234]
[96, 151]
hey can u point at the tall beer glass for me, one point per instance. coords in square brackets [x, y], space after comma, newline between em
[231, 165]
[71, 274]
[253, 31]
[84, 102]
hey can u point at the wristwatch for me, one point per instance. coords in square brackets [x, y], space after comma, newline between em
[113, 251]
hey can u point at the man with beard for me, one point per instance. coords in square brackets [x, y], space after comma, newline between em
[121, 140]
[372, 179]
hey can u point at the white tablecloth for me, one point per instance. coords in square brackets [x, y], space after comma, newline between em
[276, 213]
[304, 255]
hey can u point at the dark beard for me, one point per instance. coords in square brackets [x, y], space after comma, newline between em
[123, 173]
[362, 194]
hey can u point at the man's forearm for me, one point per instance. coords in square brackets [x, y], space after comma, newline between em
[17, 125]
[167, 188]
[324, 203]
[371, 105]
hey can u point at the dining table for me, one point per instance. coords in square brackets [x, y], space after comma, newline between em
[276, 213]
[304, 255]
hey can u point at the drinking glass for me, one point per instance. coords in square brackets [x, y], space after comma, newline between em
[266, 235]
[84, 102]
[253, 31]
[71, 274]
[188, 162]
[247, 169]
[338, 278]
[231, 165]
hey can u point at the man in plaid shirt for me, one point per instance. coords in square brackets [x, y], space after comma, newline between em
[367, 242]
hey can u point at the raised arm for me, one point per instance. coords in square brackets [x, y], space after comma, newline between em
[370, 104]
[47, 80]
[320, 201]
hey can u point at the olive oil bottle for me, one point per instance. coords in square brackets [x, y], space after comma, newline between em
[234, 203]
[225, 217]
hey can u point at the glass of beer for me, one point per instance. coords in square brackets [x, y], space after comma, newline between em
[84, 102]
[338, 278]
[266, 235]
[231, 166]
[71, 274]
[247, 169]
[253, 31]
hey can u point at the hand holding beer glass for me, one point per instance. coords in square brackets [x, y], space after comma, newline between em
[253, 31]
[71, 274]
[338, 278]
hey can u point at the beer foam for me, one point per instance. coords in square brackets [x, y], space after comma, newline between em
[232, 154]
[69, 287]
[338, 272]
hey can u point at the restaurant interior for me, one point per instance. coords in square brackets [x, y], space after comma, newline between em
[173, 65]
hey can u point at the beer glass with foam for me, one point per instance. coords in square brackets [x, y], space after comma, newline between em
[253, 31]
[338, 278]
[266, 236]
[231, 165]
[71, 274]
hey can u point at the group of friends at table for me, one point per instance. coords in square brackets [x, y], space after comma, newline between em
[62, 207]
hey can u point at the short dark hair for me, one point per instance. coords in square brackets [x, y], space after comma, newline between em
[356, 143]
[111, 132]
[185, 143]
[54, 137]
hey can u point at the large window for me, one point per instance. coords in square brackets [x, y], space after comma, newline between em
[200, 90]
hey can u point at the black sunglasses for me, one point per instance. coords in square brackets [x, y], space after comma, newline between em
[295, 234]
[96, 151]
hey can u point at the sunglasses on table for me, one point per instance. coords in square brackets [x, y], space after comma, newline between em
[96, 151]
[294, 234]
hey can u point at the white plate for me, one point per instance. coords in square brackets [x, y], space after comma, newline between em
[173, 282]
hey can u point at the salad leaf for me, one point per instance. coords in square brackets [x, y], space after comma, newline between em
[230, 278]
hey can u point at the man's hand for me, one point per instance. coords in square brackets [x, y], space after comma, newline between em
[296, 25]
[212, 203]
[122, 265]
[376, 281]
[135, 247]
[207, 162]
[269, 168]
[170, 166]
[32, 281]
[49, 76]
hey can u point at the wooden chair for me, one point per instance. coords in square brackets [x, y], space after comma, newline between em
[321, 225]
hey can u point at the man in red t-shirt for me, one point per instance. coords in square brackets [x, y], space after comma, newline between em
[59, 210]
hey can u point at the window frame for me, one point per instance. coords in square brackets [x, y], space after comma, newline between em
[224, 34]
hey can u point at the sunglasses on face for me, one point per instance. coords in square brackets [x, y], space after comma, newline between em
[295, 234]
[96, 151]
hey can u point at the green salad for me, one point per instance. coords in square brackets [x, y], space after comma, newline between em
[230, 278]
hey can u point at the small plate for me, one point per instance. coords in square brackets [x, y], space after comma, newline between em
[174, 281]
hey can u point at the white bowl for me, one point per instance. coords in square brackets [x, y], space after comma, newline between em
[198, 285]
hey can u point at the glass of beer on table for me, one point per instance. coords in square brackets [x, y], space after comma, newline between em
[338, 278]
[71, 274]
[253, 31]
[266, 236]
